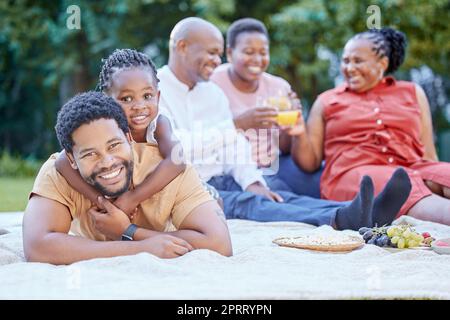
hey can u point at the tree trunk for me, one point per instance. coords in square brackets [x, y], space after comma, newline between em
[293, 80]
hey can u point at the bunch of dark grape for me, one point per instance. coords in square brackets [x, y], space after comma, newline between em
[377, 236]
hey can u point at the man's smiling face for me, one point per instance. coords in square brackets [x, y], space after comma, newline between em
[103, 156]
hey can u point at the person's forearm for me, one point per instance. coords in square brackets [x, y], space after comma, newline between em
[303, 154]
[60, 248]
[196, 239]
[430, 154]
[164, 173]
[74, 178]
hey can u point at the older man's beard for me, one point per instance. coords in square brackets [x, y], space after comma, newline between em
[128, 167]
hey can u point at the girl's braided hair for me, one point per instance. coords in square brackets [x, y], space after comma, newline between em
[122, 59]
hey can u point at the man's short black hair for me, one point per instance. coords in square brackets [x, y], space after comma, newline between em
[244, 25]
[83, 109]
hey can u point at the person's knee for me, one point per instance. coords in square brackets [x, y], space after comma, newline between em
[434, 187]
[446, 192]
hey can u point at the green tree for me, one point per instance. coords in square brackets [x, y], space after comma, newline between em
[43, 63]
[300, 29]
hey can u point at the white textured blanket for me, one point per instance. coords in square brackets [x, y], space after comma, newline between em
[259, 269]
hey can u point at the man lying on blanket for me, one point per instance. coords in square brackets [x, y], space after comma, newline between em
[93, 130]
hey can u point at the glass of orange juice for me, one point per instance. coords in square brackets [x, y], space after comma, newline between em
[287, 118]
[286, 115]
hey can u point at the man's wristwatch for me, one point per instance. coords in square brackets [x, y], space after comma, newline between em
[128, 234]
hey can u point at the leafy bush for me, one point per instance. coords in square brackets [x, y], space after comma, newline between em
[14, 166]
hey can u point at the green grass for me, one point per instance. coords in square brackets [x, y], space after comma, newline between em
[14, 193]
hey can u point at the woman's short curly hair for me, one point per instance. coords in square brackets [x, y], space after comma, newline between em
[389, 43]
[242, 26]
[83, 109]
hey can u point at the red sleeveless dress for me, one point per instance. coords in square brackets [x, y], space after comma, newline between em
[372, 133]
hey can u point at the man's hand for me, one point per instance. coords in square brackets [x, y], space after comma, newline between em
[111, 221]
[127, 203]
[298, 129]
[166, 246]
[257, 118]
[295, 101]
[258, 188]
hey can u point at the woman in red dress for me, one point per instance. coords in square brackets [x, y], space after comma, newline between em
[373, 124]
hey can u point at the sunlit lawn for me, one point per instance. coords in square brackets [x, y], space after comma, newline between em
[14, 193]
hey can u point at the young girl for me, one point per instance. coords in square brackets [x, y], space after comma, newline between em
[130, 78]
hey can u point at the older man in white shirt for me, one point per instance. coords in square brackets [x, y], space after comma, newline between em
[202, 121]
[206, 130]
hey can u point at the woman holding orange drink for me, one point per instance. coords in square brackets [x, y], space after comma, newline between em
[264, 106]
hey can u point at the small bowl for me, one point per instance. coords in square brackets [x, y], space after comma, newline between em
[441, 249]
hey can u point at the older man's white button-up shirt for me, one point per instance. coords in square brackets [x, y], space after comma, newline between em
[202, 121]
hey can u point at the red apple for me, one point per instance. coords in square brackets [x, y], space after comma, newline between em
[426, 235]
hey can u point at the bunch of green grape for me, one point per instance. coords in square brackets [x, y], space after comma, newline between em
[400, 236]
[404, 236]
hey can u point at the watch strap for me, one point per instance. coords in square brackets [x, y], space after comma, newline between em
[128, 234]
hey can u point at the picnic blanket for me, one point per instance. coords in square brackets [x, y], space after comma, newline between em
[258, 269]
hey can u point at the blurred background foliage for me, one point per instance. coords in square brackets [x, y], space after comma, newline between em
[43, 63]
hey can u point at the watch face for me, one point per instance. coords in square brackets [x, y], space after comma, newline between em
[126, 237]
